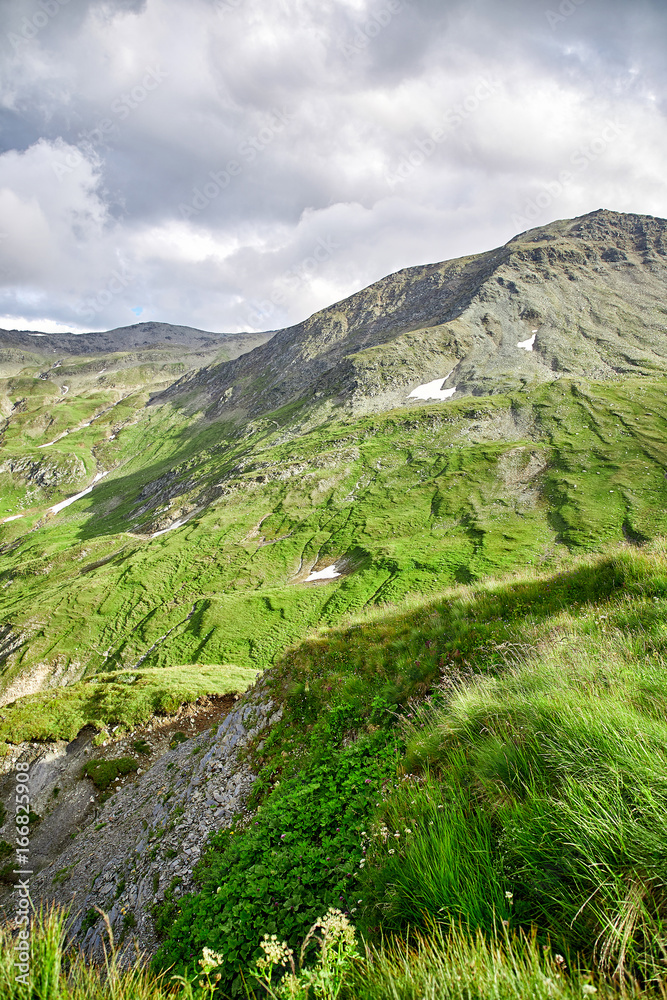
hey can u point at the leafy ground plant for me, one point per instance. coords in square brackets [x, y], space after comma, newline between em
[104, 772]
[302, 851]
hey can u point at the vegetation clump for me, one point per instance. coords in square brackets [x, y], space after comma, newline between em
[103, 772]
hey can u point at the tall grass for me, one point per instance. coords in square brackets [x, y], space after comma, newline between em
[562, 761]
[438, 857]
[458, 966]
[436, 965]
[59, 973]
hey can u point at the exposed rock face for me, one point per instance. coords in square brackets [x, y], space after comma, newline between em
[44, 472]
[148, 836]
[590, 291]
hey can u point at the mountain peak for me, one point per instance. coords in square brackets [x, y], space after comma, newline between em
[602, 224]
[579, 297]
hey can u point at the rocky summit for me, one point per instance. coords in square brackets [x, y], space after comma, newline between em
[272, 602]
[583, 298]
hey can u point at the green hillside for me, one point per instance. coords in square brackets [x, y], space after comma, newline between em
[453, 609]
[530, 786]
[502, 837]
[403, 504]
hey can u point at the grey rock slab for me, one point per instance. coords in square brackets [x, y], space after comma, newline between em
[135, 817]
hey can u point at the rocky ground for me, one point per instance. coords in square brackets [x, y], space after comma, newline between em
[123, 854]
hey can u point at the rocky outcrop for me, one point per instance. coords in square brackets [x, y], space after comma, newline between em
[45, 473]
[145, 840]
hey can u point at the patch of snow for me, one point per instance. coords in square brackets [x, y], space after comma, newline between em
[14, 517]
[177, 524]
[65, 503]
[37, 335]
[527, 344]
[330, 573]
[433, 390]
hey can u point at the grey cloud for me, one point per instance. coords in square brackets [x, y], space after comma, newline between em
[212, 203]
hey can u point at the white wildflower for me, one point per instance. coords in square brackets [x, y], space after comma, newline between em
[275, 952]
[210, 959]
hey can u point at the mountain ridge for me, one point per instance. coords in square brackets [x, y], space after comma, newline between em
[139, 336]
[470, 315]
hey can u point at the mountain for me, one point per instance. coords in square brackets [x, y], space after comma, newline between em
[585, 297]
[159, 513]
[178, 518]
[139, 337]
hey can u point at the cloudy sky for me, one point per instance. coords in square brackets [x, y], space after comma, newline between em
[238, 164]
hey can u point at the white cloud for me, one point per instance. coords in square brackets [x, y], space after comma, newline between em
[320, 114]
[42, 324]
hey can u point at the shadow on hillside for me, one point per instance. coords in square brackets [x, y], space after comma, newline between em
[459, 625]
[130, 502]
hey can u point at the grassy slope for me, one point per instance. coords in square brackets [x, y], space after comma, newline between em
[453, 968]
[411, 500]
[123, 698]
[535, 769]
[508, 663]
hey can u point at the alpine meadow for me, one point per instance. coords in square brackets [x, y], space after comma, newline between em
[338, 653]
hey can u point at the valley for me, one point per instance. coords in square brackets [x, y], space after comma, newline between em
[414, 533]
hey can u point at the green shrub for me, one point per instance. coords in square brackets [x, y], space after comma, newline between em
[103, 772]
[301, 853]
